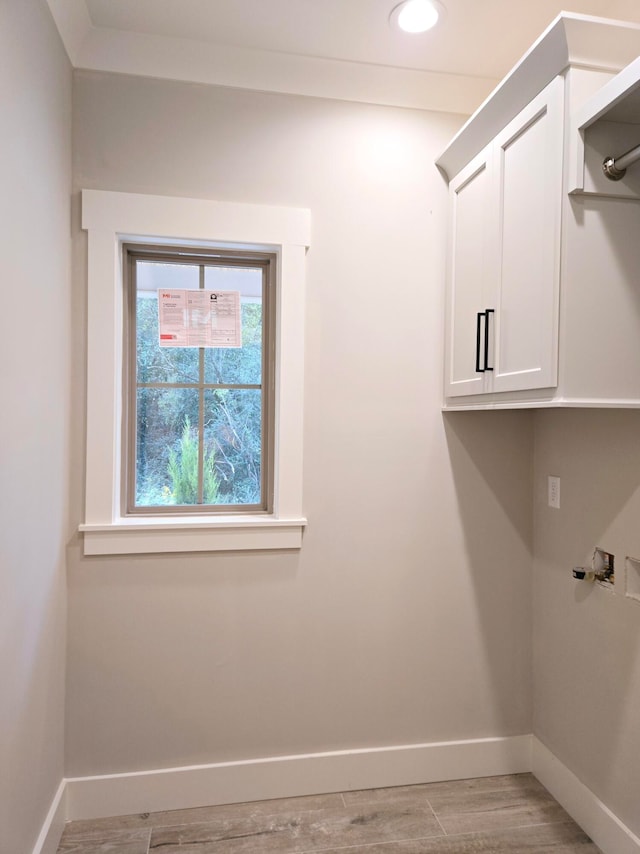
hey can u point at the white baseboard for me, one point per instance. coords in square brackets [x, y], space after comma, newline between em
[289, 776]
[318, 773]
[596, 819]
[47, 842]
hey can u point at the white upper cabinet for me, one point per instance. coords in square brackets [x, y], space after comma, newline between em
[525, 282]
[528, 174]
[504, 259]
[469, 276]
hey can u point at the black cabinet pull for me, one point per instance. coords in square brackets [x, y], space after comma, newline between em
[481, 314]
[487, 312]
[479, 346]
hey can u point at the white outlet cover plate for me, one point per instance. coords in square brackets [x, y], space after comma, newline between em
[553, 486]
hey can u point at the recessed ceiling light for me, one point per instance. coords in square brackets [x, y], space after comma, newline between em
[416, 16]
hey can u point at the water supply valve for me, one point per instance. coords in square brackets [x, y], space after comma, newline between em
[602, 568]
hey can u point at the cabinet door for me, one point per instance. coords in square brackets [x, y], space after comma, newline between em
[528, 175]
[469, 198]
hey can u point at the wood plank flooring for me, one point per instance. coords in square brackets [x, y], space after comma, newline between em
[489, 815]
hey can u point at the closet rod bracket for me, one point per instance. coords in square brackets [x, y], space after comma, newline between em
[615, 168]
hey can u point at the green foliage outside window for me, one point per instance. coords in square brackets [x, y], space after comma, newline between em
[167, 440]
[183, 471]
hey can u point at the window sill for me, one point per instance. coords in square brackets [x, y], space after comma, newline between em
[206, 534]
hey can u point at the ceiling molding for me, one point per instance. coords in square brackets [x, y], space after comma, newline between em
[118, 51]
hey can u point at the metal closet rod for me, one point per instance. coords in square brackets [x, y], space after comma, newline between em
[616, 167]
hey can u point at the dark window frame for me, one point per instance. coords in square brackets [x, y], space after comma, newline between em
[202, 257]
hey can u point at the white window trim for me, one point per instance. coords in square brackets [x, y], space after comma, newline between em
[113, 218]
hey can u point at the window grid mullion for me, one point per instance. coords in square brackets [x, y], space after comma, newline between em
[197, 385]
[201, 411]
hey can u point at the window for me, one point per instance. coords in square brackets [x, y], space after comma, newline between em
[235, 413]
[199, 432]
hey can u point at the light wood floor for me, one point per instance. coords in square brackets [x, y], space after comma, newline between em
[492, 815]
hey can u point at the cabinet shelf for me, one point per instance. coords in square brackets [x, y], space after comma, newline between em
[607, 125]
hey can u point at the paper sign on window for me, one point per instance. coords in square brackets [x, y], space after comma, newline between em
[190, 318]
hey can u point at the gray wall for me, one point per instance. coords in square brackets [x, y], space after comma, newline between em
[406, 615]
[587, 640]
[35, 153]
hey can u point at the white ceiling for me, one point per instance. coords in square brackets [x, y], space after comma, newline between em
[482, 38]
[278, 43]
